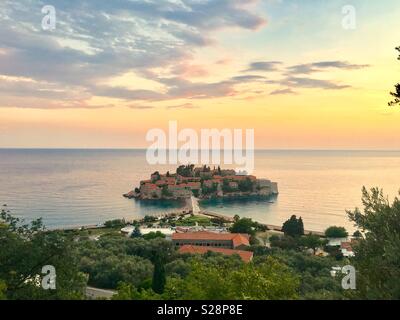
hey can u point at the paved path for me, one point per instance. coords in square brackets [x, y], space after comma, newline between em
[96, 293]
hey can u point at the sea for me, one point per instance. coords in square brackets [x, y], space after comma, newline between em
[69, 188]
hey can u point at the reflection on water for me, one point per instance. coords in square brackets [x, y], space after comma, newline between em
[244, 201]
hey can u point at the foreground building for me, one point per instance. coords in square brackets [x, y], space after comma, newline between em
[211, 239]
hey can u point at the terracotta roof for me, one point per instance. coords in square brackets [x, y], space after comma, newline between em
[245, 255]
[236, 238]
[240, 239]
[193, 184]
[347, 246]
[150, 186]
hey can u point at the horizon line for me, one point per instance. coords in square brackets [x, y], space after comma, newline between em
[144, 149]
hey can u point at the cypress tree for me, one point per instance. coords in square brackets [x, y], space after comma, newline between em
[159, 278]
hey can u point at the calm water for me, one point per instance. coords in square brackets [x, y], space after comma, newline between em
[78, 187]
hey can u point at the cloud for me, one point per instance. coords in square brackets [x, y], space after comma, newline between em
[141, 107]
[183, 106]
[313, 83]
[264, 66]
[287, 91]
[95, 41]
[322, 66]
[158, 40]
[188, 70]
[248, 78]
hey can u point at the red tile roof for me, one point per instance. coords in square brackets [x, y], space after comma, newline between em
[150, 186]
[347, 246]
[240, 239]
[245, 255]
[236, 238]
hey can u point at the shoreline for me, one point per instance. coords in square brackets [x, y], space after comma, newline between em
[209, 214]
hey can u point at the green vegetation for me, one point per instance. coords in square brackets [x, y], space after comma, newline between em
[25, 249]
[232, 280]
[243, 186]
[165, 192]
[293, 227]
[155, 177]
[159, 277]
[149, 219]
[246, 225]
[136, 233]
[284, 242]
[3, 289]
[312, 242]
[246, 185]
[209, 190]
[192, 220]
[336, 232]
[243, 225]
[185, 171]
[152, 269]
[226, 188]
[377, 253]
[357, 234]
[116, 223]
[396, 93]
[154, 235]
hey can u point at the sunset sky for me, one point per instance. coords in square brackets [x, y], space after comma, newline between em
[112, 70]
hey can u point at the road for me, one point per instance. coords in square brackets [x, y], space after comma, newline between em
[96, 293]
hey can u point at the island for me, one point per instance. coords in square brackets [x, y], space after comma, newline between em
[203, 183]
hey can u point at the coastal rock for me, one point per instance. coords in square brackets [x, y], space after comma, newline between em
[131, 195]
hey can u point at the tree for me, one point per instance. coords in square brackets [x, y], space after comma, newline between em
[159, 278]
[316, 283]
[136, 233]
[357, 234]
[243, 225]
[148, 219]
[336, 232]
[377, 253]
[3, 288]
[106, 269]
[293, 227]
[246, 185]
[154, 235]
[311, 241]
[284, 243]
[165, 192]
[129, 292]
[116, 223]
[396, 94]
[270, 280]
[185, 171]
[25, 249]
[155, 177]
